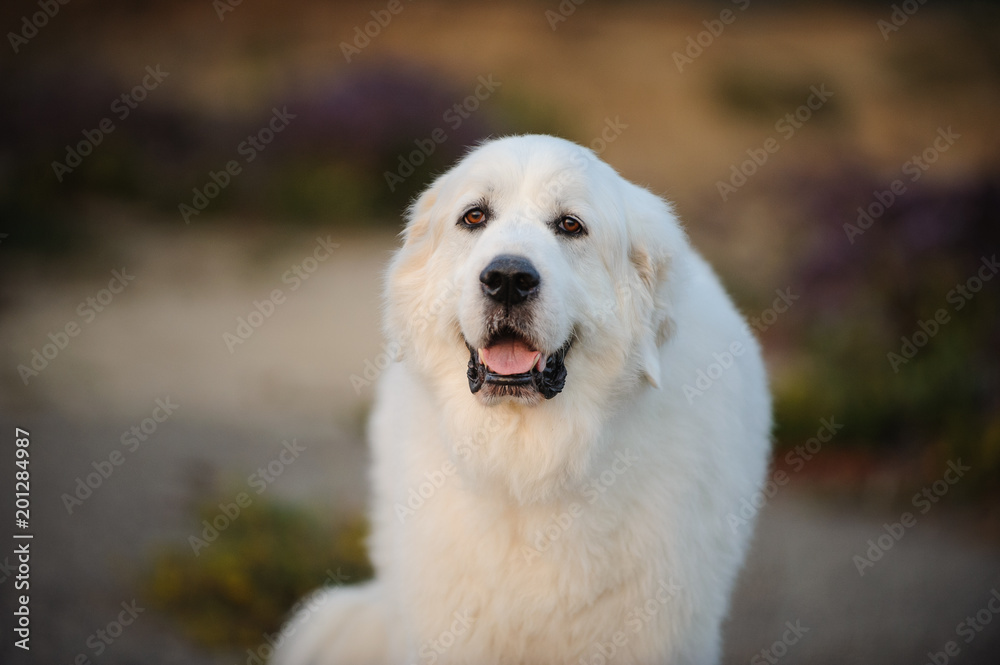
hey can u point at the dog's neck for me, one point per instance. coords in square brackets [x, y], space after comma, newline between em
[510, 450]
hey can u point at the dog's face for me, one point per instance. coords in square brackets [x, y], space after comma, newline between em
[521, 303]
[533, 277]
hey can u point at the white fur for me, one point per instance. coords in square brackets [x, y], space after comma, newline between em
[593, 525]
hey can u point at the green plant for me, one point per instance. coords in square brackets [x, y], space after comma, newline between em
[243, 583]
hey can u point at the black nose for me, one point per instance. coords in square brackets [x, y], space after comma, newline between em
[510, 280]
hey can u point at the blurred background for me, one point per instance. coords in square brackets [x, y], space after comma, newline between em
[197, 200]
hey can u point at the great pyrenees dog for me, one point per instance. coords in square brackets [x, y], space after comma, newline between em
[561, 450]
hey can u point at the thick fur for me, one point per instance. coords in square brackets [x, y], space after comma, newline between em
[599, 525]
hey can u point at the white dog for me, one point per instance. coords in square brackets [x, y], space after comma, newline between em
[561, 451]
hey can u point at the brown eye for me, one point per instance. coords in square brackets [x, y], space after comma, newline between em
[571, 225]
[474, 217]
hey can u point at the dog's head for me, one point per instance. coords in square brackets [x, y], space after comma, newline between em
[534, 278]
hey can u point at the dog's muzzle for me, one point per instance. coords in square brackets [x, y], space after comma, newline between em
[509, 363]
[547, 375]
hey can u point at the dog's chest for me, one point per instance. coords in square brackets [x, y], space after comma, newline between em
[540, 580]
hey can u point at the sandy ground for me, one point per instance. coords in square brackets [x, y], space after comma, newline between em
[162, 338]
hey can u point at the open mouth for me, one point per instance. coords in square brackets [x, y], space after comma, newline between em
[510, 365]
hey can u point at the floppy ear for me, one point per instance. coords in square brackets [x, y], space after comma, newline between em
[405, 279]
[418, 214]
[656, 244]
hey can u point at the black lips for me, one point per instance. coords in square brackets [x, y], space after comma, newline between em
[548, 383]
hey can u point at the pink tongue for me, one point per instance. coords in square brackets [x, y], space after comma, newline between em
[509, 357]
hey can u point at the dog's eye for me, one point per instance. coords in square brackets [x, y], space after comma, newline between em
[570, 225]
[474, 217]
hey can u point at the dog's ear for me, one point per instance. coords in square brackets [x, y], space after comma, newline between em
[418, 214]
[657, 242]
[405, 279]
